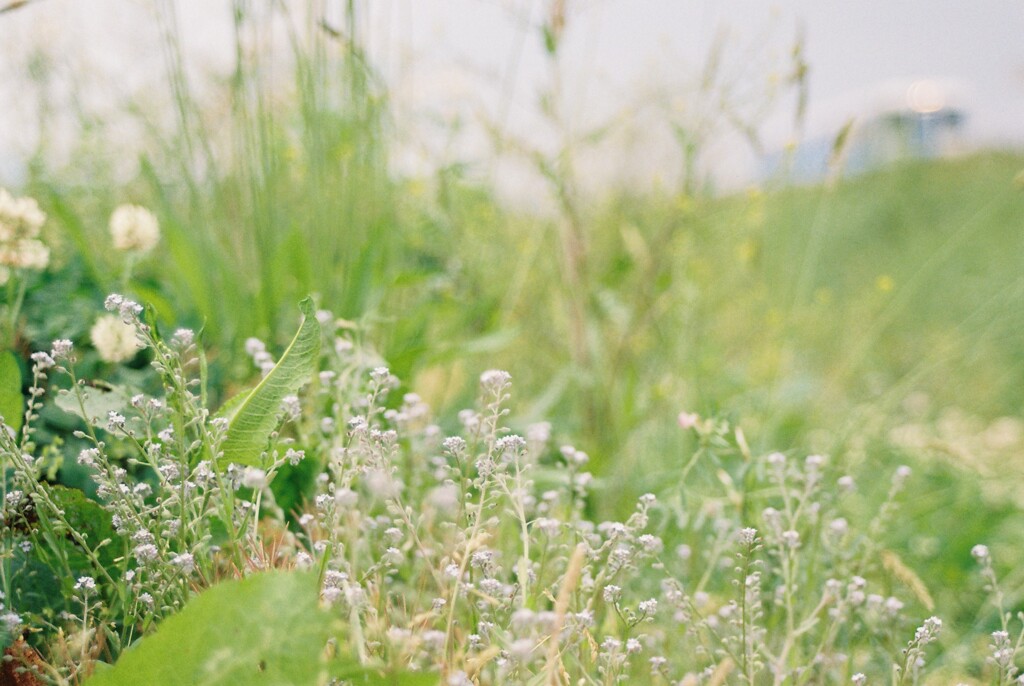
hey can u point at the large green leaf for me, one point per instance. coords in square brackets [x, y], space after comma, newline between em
[255, 418]
[92, 522]
[97, 402]
[12, 402]
[265, 629]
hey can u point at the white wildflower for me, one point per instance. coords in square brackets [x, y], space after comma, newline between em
[748, 536]
[254, 478]
[494, 379]
[85, 583]
[42, 361]
[183, 338]
[147, 552]
[134, 228]
[12, 621]
[185, 562]
[61, 349]
[114, 340]
[19, 217]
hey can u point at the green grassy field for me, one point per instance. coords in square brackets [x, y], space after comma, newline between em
[877, 321]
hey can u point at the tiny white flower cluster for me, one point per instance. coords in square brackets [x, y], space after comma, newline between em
[436, 546]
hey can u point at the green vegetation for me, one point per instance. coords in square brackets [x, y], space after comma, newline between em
[675, 338]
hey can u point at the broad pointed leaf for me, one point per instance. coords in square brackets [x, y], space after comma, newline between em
[97, 403]
[255, 418]
[265, 629]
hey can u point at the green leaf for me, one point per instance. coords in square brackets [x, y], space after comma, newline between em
[266, 629]
[98, 402]
[12, 402]
[253, 421]
[92, 522]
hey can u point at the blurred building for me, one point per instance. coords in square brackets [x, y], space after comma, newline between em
[926, 123]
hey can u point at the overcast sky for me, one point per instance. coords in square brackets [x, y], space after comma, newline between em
[474, 56]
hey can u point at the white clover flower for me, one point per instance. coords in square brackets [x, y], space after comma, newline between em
[24, 254]
[980, 552]
[134, 228]
[114, 340]
[20, 222]
[19, 217]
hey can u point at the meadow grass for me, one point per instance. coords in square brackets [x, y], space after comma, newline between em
[876, 320]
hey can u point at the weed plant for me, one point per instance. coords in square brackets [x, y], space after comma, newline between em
[875, 320]
[467, 556]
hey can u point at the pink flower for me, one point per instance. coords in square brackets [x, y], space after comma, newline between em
[688, 420]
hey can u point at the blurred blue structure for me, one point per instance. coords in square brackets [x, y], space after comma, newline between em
[926, 127]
